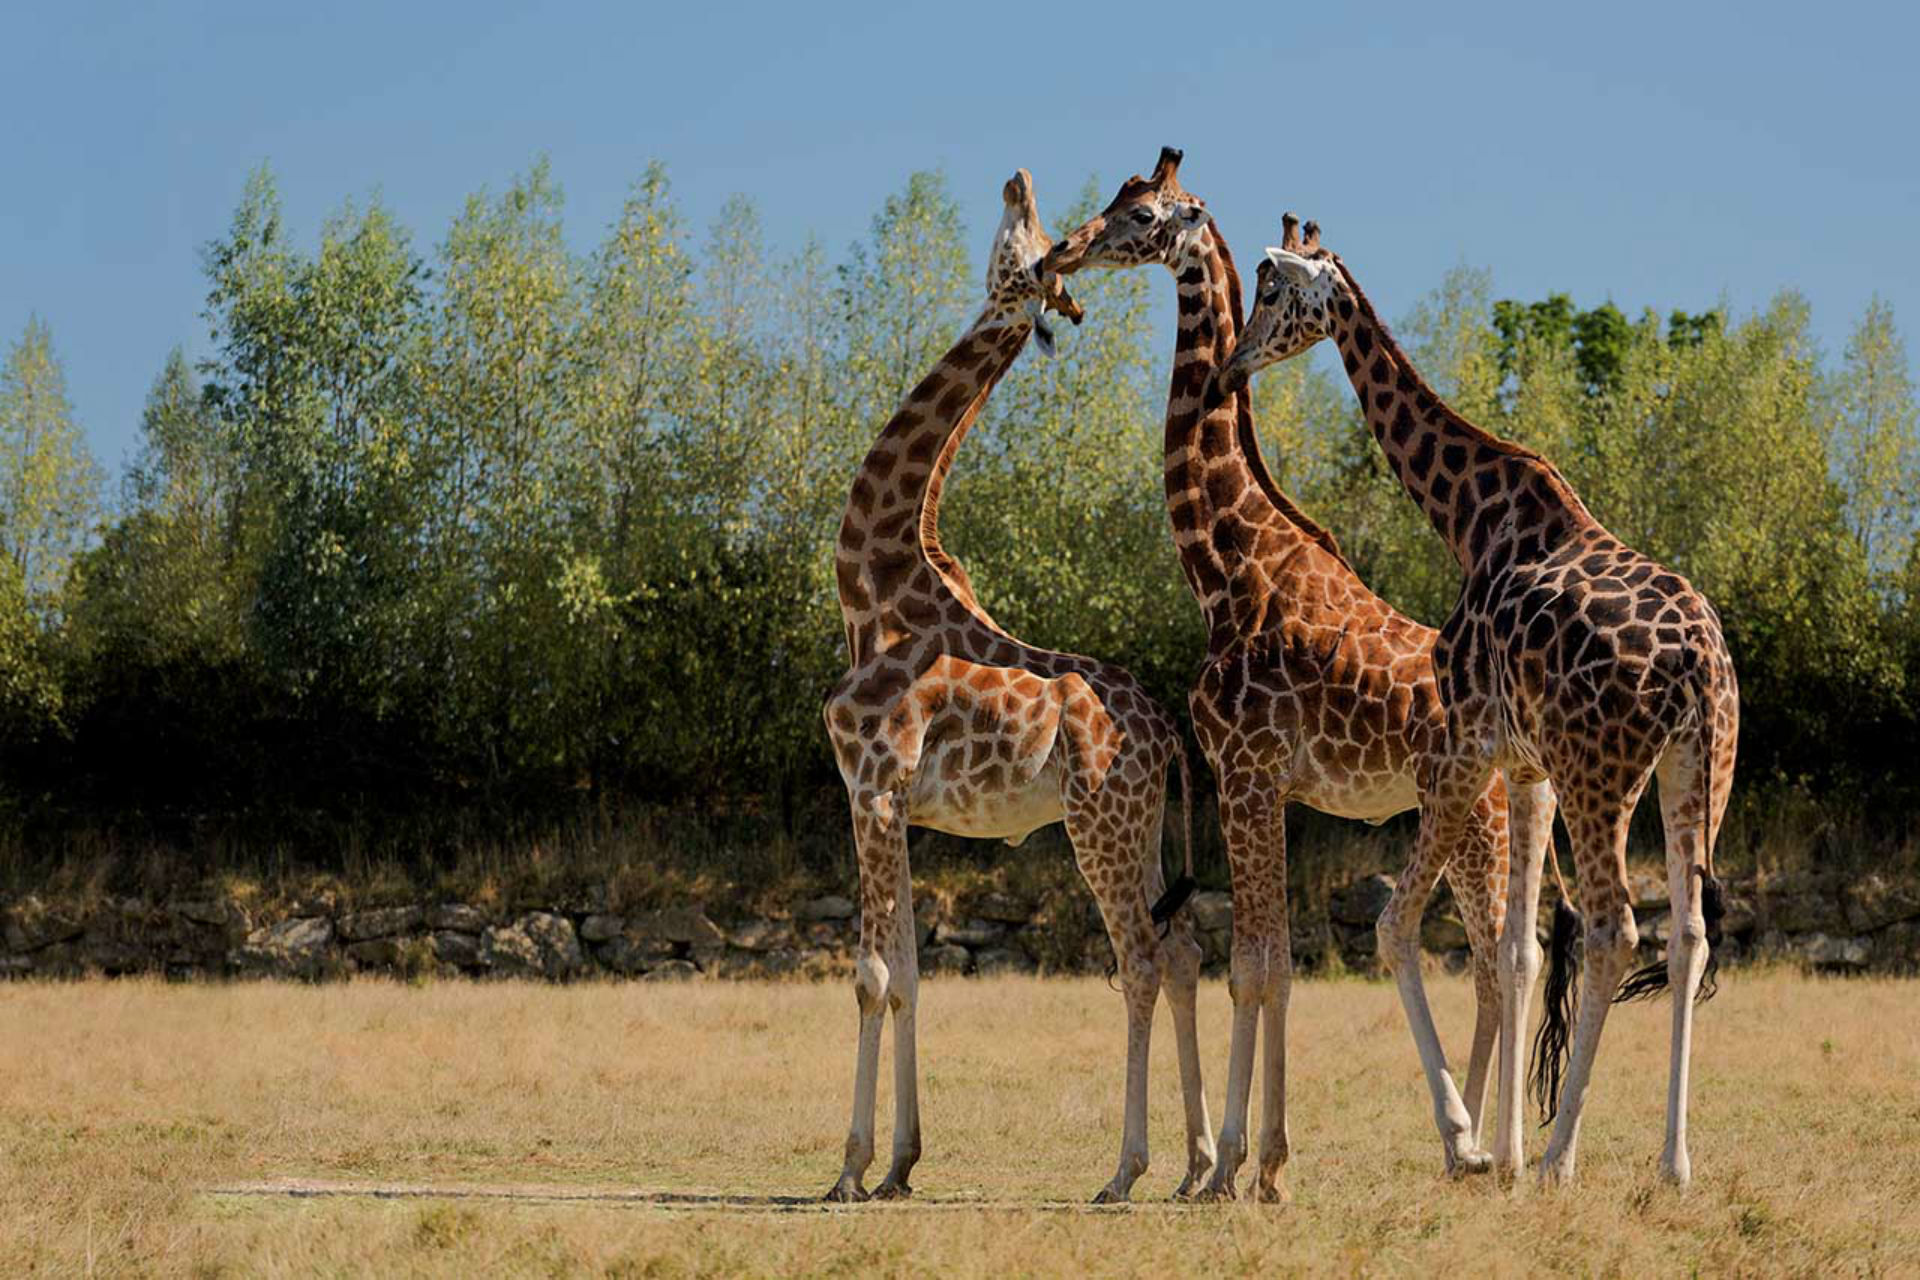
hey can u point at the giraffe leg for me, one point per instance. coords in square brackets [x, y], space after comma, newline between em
[1182, 956]
[1250, 813]
[1599, 836]
[1134, 945]
[1275, 1142]
[1530, 830]
[1444, 812]
[1478, 876]
[882, 846]
[1684, 818]
[903, 998]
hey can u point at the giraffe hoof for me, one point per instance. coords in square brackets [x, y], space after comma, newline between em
[891, 1190]
[1466, 1166]
[1110, 1195]
[1215, 1193]
[845, 1191]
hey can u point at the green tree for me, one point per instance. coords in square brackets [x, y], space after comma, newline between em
[49, 483]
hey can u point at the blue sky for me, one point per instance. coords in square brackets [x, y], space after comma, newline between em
[1672, 155]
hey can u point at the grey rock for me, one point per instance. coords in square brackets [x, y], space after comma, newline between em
[828, 933]
[829, 907]
[945, 958]
[1361, 902]
[216, 913]
[15, 966]
[776, 962]
[927, 914]
[682, 924]
[1646, 889]
[456, 949]
[1442, 932]
[763, 935]
[1873, 902]
[30, 925]
[1212, 910]
[995, 960]
[1801, 904]
[377, 953]
[455, 917]
[113, 956]
[537, 945]
[1896, 949]
[672, 971]
[601, 927]
[1002, 908]
[1824, 951]
[380, 922]
[633, 955]
[973, 933]
[296, 948]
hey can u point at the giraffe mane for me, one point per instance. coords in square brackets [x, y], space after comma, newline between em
[1249, 439]
[1474, 430]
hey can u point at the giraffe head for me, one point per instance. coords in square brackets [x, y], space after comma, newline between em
[1016, 284]
[1296, 292]
[1152, 219]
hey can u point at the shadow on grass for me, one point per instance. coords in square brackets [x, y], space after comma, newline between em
[314, 1189]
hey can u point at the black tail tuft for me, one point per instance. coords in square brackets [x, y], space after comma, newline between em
[1652, 980]
[1163, 911]
[1713, 912]
[1561, 1004]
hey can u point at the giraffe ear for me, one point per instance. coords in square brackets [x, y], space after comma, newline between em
[1291, 265]
[1042, 332]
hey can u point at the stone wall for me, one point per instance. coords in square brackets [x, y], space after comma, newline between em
[1823, 922]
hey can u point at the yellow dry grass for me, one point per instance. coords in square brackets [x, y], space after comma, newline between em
[125, 1106]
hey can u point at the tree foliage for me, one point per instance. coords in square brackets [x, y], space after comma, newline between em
[505, 527]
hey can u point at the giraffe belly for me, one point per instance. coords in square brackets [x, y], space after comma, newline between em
[948, 796]
[1369, 800]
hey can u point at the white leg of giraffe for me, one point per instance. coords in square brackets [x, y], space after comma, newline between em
[1183, 956]
[1684, 817]
[1530, 833]
[1109, 841]
[1251, 816]
[1444, 813]
[882, 847]
[903, 998]
[1131, 933]
[1276, 1142]
[1598, 831]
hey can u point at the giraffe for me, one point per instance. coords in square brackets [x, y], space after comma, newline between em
[944, 720]
[1313, 690]
[1569, 656]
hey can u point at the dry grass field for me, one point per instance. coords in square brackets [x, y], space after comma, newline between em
[143, 1128]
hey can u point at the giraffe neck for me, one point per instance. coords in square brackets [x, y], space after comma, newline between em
[1232, 524]
[890, 528]
[1479, 491]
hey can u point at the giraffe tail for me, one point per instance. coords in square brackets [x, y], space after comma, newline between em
[1561, 1002]
[1651, 980]
[1177, 893]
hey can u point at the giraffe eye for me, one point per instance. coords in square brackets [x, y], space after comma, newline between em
[1143, 216]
